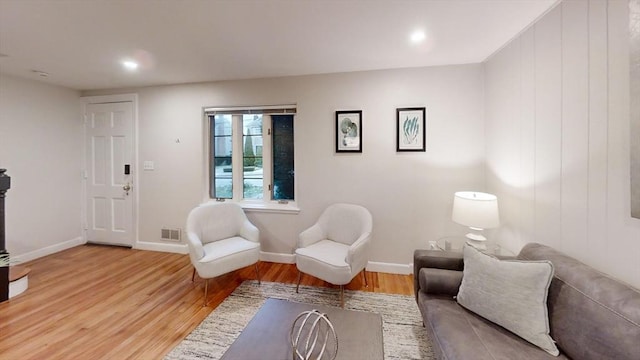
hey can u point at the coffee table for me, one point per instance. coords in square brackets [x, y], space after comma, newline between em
[267, 334]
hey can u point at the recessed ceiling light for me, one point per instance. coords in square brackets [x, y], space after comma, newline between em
[417, 36]
[130, 65]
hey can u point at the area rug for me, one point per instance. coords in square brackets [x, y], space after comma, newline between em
[403, 334]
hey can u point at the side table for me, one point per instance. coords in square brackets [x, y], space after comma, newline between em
[456, 243]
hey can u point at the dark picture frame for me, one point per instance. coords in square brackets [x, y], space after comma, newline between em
[348, 131]
[411, 129]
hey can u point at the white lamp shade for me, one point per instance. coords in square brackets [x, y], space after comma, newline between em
[475, 209]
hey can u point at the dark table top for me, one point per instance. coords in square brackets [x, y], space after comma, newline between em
[267, 334]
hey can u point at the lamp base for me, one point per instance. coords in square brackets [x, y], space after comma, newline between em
[475, 237]
[480, 245]
[476, 240]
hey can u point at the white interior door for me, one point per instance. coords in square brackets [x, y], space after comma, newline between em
[110, 169]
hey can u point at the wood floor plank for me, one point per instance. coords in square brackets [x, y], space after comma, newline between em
[97, 302]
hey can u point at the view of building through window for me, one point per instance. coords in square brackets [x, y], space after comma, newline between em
[263, 144]
[222, 132]
[283, 165]
[252, 156]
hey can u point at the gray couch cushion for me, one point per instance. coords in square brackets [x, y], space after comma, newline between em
[592, 316]
[440, 281]
[460, 334]
[512, 294]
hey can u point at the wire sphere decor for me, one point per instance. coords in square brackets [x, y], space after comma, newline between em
[313, 337]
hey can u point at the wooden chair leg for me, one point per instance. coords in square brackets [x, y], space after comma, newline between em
[206, 290]
[193, 274]
[257, 274]
[298, 284]
[342, 296]
[364, 275]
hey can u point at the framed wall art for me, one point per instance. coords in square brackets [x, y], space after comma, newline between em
[411, 131]
[349, 131]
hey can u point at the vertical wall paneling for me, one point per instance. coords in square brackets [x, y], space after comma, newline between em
[634, 93]
[598, 118]
[494, 70]
[515, 161]
[527, 135]
[575, 125]
[548, 87]
[621, 226]
[505, 124]
[574, 187]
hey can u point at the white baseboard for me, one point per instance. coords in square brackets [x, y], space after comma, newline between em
[278, 257]
[184, 249]
[162, 247]
[390, 268]
[52, 249]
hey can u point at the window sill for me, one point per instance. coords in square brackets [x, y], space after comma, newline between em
[290, 208]
[270, 207]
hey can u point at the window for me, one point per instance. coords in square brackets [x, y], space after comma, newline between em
[251, 154]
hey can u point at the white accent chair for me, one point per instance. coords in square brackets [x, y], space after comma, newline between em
[336, 248]
[221, 239]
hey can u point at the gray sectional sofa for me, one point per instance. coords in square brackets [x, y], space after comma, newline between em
[591, 315]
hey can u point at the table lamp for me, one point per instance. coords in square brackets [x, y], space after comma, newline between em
[478, 211]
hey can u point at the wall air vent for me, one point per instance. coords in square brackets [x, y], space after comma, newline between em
[170, 234]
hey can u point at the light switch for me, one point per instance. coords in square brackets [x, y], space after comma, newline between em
[148, 165]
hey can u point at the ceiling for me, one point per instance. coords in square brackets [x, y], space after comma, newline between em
[81, 44]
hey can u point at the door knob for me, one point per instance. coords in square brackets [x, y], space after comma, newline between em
[127, 188]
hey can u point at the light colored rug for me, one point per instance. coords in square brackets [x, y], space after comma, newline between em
[403, 334]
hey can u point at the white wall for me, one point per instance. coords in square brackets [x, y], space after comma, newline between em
[40, 143]
[408, 194]
[557, 137]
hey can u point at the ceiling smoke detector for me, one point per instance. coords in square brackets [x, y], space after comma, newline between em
[40, 73]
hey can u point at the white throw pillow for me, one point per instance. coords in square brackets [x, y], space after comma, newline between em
[510, 293]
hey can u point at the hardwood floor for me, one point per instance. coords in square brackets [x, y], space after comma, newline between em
[97, 302]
